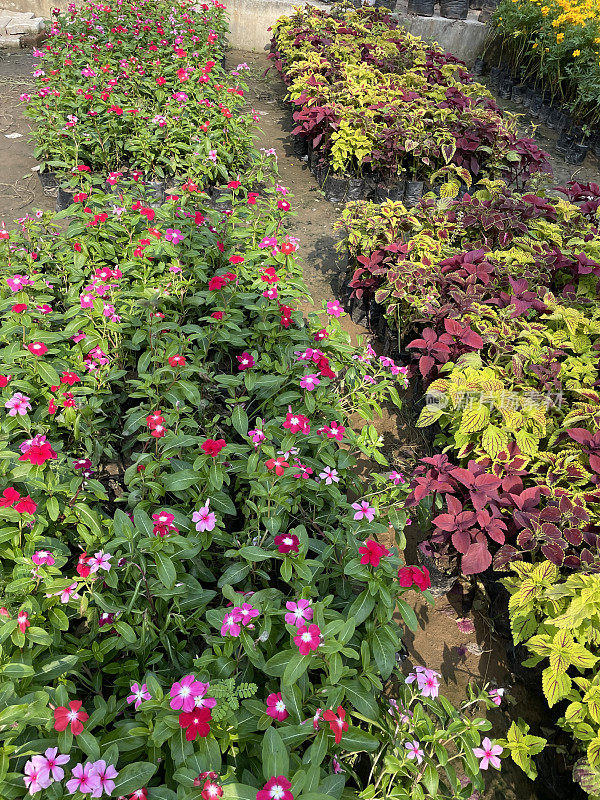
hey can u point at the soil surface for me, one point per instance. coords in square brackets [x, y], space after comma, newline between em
[455, 636]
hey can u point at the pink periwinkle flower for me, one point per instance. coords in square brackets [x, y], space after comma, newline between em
[488, 753]
[299, 612]
[85, 779]
[496, 696]
[205, 520]
[415, 750]
[364, 509]
[334, 308]
[329, 475]
[41, 557]
[99, 561]
[138, 695]
[18, 404]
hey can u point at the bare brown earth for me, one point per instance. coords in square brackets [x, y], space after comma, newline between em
[461, 656]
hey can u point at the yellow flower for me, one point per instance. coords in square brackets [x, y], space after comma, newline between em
[576, 53]
[559, 37]
[545, 10]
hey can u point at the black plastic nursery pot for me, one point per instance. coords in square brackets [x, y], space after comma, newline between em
[505, 87]
[454, 9]
[576, 153]
[478, 67]
[422, 8]
[356, 189]
[393, 191]
[413, 193]
[63, 199]
[336, 188]
[48, 179]
[300, 146]
[517, 94]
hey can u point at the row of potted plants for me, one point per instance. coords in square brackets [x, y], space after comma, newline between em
[200, 598]
[154, 101]
[553, 47]
[379, 112]
[496, 297]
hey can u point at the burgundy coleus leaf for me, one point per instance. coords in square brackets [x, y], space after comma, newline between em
[526, 504]
[590, 443]
[463, 334]
[526, 540]
[554, 552]
[505, 555]
[493, 526]
[482, 488]
[477, 559]
[456, 518]
[573, 536]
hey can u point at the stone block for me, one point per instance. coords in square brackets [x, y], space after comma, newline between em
[9, 41]
[33, 25]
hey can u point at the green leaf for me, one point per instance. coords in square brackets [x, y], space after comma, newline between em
[48, 374]
[355, 740]
[296, 667]
[239, 420]
[431, 779]
[275, 759]
[133, 776]
[181, 480]
[361, 699]
[234, 574]
[167, 574]
[238, 791]
[384, 652]
[361, 607]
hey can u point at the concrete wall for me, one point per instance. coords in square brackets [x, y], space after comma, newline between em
[250, 19]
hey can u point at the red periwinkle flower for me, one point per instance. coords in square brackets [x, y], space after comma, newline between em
[4, 379]
[26, 506]
[283, 205]
[211, 790]
[372, 552]
[9, 496]
[236, 259]
[196, 723]
[23, 621]
[407, 576]
[37, 348]
[216, 283]
[176, 361]
[217, 315]
[74, 715]
[212, 447]
[18, 307]
[337, 723]
[278, 464]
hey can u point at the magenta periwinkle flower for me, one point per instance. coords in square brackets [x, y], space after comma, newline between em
[184, 693]
[231, 623]
[427, 681]
[308, 638]
[334, 308]
[174, 235]
[245, 361]
[309, 382]
[138, 695]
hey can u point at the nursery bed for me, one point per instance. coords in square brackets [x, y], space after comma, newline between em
[460, 656]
